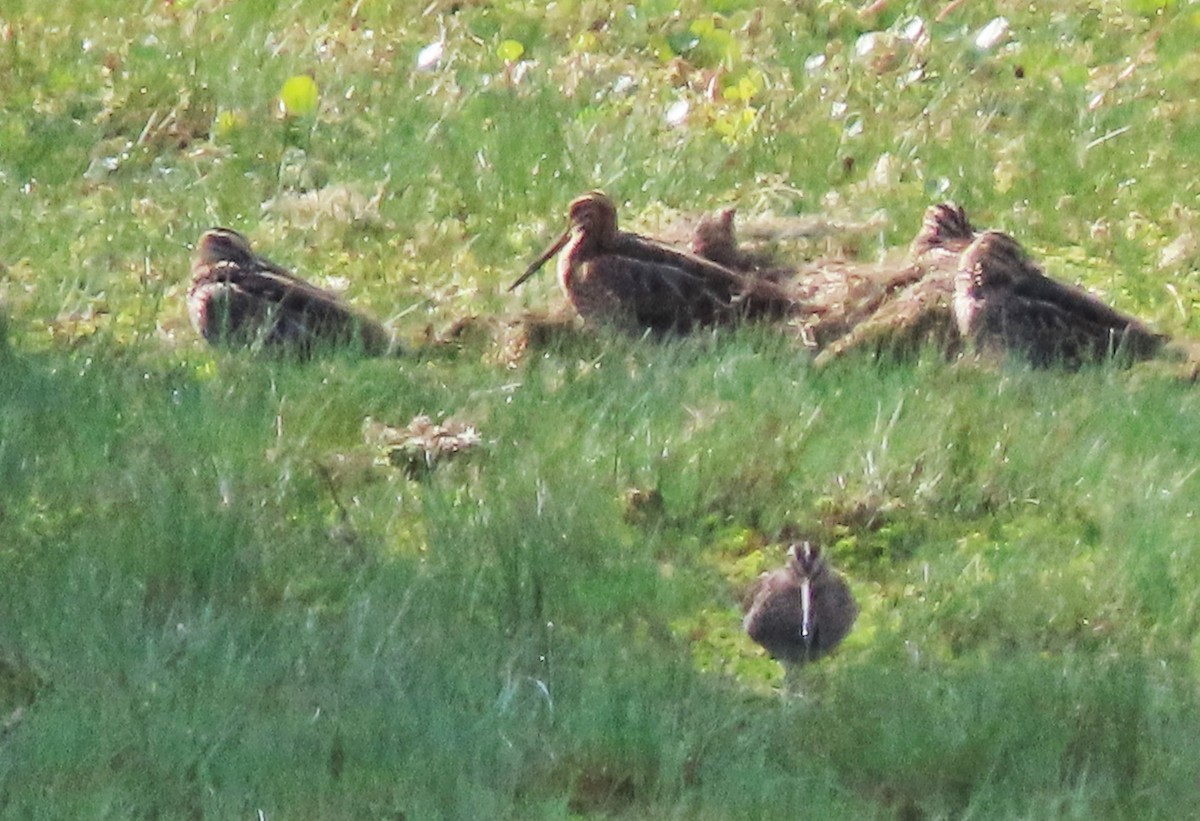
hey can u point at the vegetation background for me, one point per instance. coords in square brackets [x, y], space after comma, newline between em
[220, 601]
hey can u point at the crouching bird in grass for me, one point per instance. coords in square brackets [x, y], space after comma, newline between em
[896, 308]
[800, 612]
[1003, 302]
[642, 284]
[715, 238]
[238, 298]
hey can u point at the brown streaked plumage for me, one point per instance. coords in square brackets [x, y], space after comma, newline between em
[944, 229]
[914, 305]
[1003, 301]
[239, 298]
[802, 611]
[716, 239]
[826, 294]
[615, 276]
[836, 296]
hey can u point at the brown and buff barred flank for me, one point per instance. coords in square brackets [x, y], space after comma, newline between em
[1005, 303]
[239, 299]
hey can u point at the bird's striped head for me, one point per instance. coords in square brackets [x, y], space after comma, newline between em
[993, 261]
[592, 215]
[945, 226]
[805, 559]
[594, 212]
[223, 245]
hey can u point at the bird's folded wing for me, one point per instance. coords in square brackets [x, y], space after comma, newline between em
[658, 294]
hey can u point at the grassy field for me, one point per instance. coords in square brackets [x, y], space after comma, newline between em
[219, 601]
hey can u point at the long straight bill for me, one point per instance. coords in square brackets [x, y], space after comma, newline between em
[805, 609]
[540, 261]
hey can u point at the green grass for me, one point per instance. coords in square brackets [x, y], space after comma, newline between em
[217, 601]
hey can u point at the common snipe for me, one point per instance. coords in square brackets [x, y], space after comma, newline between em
[623, 278]
[801, 611]
[239, 298]
[1004, 302]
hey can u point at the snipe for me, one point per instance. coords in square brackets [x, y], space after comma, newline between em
[715, 238]
[944, 229]
[622, 278]
[239, 298]
[1004, 302]
[802, 611]
[910, 307]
